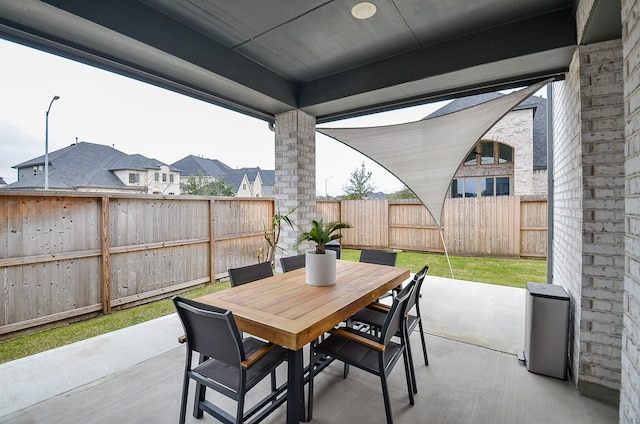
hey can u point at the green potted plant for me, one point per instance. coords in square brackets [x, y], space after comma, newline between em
[321, 263]
[272, 235]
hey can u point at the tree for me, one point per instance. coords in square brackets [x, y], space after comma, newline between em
[403, 193]
[359, 186]
[220, 187]
[203, 186]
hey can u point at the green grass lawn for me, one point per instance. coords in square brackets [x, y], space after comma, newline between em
[501, 271]
[506, 272]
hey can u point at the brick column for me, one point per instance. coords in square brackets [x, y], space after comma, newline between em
[589, 206]
[295, 185]
[630, 384]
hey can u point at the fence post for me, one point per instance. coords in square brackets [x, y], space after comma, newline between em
[105, 244]
[212, 241]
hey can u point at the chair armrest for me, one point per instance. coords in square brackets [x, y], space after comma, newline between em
[182, 339]
[381, 307]
[255, 356]
[357, 338]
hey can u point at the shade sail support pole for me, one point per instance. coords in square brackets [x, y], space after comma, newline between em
[446, 252]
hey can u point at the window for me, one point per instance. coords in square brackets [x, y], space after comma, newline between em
[164, 177]
[157, 176]
[134, 178]
[170, 178]
[489, 153]
[480, 186]
[486, 150]
[505, 153]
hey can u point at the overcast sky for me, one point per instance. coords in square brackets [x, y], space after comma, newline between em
[134, 117]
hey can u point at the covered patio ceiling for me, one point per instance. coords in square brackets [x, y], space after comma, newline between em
[266, 57]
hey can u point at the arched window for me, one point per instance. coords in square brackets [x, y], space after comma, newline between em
[489, 153]
[487, 171]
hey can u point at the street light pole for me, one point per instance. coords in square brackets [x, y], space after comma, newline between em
[46, 145]
[326, 196]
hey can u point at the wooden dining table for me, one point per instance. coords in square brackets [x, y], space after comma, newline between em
[288, 312]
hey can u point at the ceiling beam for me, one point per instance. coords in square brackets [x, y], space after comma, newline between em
[543, 33]
[152, 28]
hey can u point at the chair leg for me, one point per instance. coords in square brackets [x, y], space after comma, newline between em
[183, 401]
[200, 394]
[407, 372]
[385, 396]
[198, 398]
[273, 383]
[345, 371]
[424, 344]
[240, 408]
[411, 367]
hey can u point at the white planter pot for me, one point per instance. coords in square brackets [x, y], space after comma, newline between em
[321, 268]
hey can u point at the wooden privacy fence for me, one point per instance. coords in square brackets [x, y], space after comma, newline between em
[499, 226]
[63, 255]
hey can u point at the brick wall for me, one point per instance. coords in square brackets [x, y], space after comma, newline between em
[589, 211]
[516, 130]
[295, 160]
[630, 384]
[602, 118]
[567, 198]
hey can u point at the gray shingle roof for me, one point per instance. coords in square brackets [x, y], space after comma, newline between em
[194, 165]
[84, 165]
[539, 104]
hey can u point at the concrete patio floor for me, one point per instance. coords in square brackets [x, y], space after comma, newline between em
[474, 330]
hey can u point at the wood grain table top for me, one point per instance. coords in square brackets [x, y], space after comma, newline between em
[286, 311]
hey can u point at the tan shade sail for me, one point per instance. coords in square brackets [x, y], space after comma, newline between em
[426, 154]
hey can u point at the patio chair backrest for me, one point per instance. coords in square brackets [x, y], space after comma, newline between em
[380, 257]
[250, 273]
[418, 279]
[293, 262]
[210, 331]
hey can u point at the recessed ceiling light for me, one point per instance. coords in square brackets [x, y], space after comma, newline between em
[363, 10]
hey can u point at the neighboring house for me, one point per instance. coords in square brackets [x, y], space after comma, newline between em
[246, 182]
[97, 168]
[252, 182]
[511, 158]
[193, 166]
[2, 182]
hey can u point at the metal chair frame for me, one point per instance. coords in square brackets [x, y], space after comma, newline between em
[374, 354]
[228, 364]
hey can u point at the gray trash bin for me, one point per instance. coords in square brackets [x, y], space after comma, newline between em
[546, 330]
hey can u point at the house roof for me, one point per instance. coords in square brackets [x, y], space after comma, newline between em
[538, 104]
[235, 176]
[195, 165]
[269, 57]
[84, 164]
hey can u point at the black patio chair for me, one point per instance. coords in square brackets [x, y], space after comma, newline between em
[380, 257]
[292, 262]
[374, 354]
[374, 316]
[250, 273]
[228, 364]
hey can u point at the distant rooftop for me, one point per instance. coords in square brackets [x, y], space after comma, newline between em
[84, 164]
